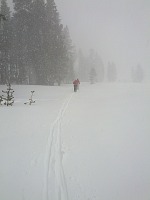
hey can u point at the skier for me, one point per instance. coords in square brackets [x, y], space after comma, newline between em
[78, 84]
[75, 84]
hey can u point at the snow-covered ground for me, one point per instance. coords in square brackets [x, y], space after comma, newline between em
[89, 145]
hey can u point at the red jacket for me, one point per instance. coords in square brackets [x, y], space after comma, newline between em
[75, 82]
[78, 81]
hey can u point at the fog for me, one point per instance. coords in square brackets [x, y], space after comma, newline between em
[88, 145]
[118, 30]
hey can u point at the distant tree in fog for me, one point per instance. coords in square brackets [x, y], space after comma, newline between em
[99, 66]
[94, 62]
[92, 75]
[137, 74]
[82, 66]
[88, 63]
[111, 72]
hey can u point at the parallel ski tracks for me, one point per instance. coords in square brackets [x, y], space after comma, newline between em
[55, 187]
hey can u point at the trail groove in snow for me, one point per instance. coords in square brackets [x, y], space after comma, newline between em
[55, 186]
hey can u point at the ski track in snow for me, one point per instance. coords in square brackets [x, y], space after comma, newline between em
[55, 187]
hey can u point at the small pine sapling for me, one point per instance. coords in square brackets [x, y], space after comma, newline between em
[1, 100]
[8, 99]
[30, 100]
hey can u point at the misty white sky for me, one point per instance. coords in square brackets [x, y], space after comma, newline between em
[119, 30]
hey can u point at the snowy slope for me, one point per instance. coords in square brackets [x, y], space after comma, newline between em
[89, 145]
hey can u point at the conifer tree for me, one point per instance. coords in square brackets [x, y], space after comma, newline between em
[99, 67]
[38, 41]
[92, 65]
[21, 34]
[31, 101]
[92, 75]
[69, 55]
[54, 45]
[9, 96]
[5, 43]
[82, 66]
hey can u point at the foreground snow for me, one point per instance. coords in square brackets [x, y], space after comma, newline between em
[89, 145]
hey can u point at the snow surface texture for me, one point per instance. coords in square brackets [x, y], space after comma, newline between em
[89, 145]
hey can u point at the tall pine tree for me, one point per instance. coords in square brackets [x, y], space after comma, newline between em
[38, 41]
[21, 34]
[5, 43]
[68, 57]
[54, 30]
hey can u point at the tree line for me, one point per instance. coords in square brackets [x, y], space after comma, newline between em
[35, 48]
[90, 68]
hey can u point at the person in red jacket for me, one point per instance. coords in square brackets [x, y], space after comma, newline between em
[76, 84]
